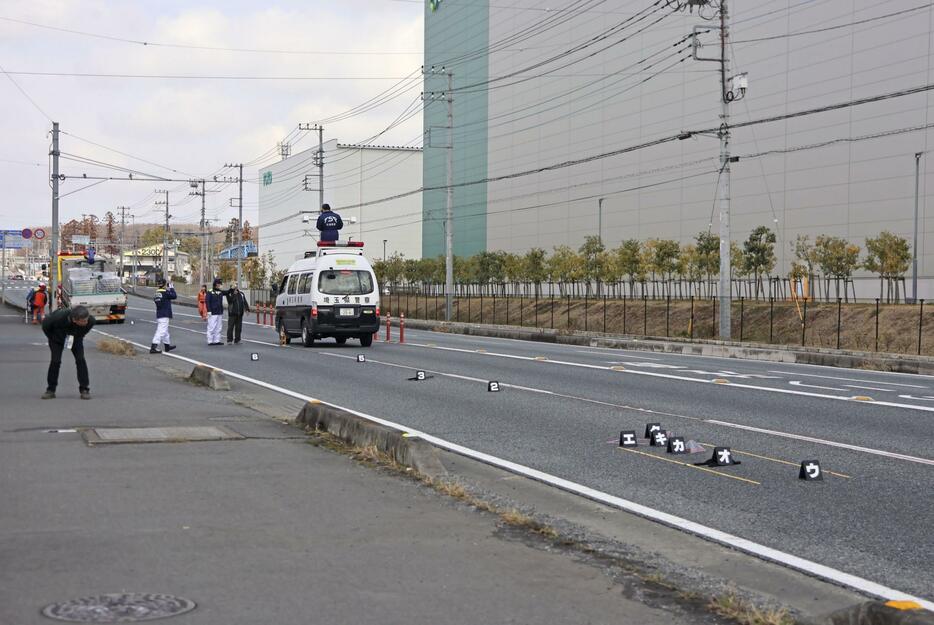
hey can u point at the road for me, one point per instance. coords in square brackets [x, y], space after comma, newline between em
[561, 410]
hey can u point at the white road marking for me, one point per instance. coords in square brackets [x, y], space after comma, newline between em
[826, 388]
[871, 388]
[715, 535]
[732, 385]
[831, 377]
[925, 398]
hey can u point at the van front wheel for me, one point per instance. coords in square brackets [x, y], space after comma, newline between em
[366, 340]
[308, 339]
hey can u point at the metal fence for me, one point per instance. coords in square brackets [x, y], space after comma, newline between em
[871, 326]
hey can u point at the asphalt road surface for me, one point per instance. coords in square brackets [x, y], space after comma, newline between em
[561, 410]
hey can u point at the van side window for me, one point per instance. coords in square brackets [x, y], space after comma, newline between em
[282, 286]
[292, 280]
[310, 283]
[302, 284]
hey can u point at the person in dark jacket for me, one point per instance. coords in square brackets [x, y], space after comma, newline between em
[163, 300]
[329, 223]
[237, 306]
[67, 327]
[215, 304]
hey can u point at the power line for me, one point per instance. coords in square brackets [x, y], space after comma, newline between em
[823, 30]
[157, 44]
[195, 77]
[25, 95]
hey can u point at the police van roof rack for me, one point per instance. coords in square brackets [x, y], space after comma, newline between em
[340, 243]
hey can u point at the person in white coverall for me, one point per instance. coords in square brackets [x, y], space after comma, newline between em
[163, 300]
[215, 304]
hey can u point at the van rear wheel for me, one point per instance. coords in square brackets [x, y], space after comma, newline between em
[308, 339]
[282, 331]
[366, 340]
[340, 339]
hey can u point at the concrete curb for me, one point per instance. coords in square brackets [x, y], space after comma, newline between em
[900, 363]
[876, 613]
[357, 431]
[210, 377]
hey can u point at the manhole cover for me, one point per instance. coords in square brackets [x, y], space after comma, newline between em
[180, 434]
[119, 608]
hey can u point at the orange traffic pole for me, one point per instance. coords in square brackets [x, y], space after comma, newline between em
[388, 327]
[402, 328]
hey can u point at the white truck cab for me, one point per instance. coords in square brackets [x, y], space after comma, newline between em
[332, 292]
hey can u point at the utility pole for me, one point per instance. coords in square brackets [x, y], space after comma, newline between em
[53, 260]
[447, 96]
[240, 248]
[123, 210]
[165, 236]
[318, 160]
[731, 88]
[914, 247]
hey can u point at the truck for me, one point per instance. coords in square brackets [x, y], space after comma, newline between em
[94, 284]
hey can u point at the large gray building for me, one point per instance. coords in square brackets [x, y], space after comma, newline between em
[535, 87]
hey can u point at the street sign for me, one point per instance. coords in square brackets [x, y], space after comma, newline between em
[27, 233]
[39, 234]
[81, 239]
[13, 240]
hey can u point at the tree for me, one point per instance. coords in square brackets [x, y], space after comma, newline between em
[590, 253]
[152, 236]
[662, 259]
[806, 257]
[562, 267]
[109, 221]
[230, 232]
[630, 263]
[837, 259]
[888, 255]
[536, 270]
[247, 231]
[759, 255]
[708, 256]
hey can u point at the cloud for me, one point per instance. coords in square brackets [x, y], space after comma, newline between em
[192, 125]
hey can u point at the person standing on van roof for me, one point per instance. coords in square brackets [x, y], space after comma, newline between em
[215, 303]
[329, 223]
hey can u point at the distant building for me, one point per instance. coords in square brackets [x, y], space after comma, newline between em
[147, 261]
[354, 176]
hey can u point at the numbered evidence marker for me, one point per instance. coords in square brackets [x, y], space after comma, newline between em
[651, 428]
[361, 358]
[627, 438]
[419, 376]
[492, 387]
[659, 438]
[722, 457]
[810, 470]
[254, 356]
[676, 445]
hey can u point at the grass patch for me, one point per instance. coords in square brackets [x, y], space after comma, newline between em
[116, 346]
[745, 613]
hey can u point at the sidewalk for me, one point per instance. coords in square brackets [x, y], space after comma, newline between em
[263, 530]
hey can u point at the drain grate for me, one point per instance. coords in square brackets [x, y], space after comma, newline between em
[180, 434]
[119, 608]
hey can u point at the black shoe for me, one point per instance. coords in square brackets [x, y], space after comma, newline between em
[85, 394]
[229, 342]
[236, 342]
[48, 395]
[168, 348]
[154, 350]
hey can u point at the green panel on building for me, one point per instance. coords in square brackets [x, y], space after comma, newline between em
[456, 36]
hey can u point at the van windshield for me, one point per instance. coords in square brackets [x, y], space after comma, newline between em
[345, 282]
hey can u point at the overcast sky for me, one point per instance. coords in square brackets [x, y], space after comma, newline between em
[191, 125]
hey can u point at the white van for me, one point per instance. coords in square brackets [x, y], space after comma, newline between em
[332, 292]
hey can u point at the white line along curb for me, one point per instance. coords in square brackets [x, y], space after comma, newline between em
[774, 555]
